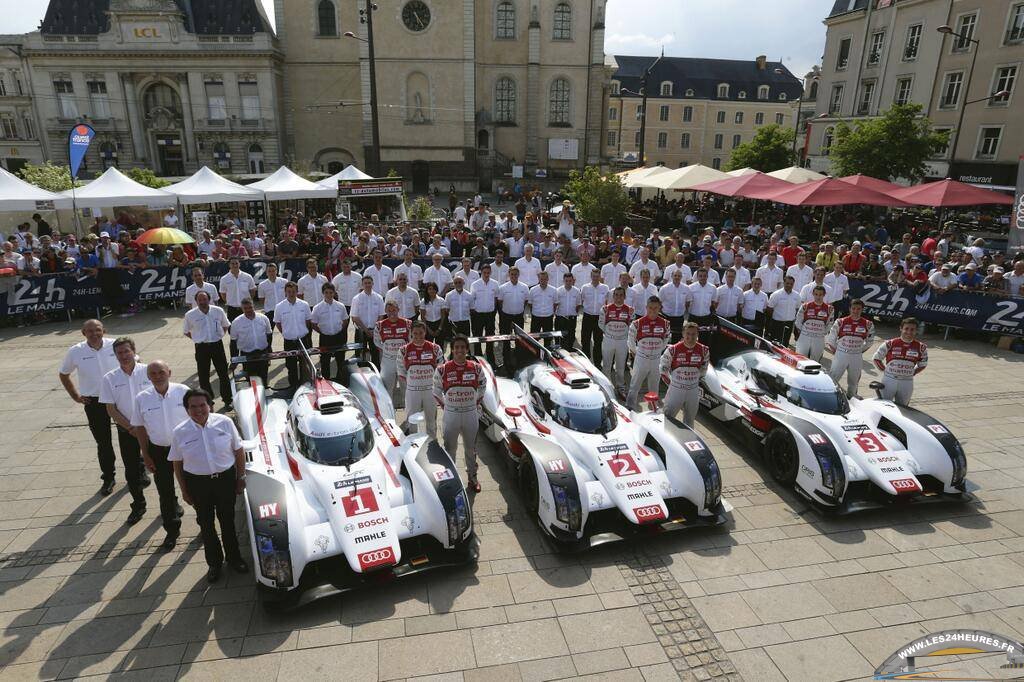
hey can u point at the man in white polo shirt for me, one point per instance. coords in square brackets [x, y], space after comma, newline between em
[271, 290]
[117, 393]
[567, 308]
[439, 275]
[292, 318]
[512, 298]
[612, 270]
[407, 298]
[205, 325]
[413, 273]
[251, 332]
[92, 359]
[155, 413]
[234, 286]
[311, 284]
[381, 274]
[593, 294]
[542, 302]
[485, 296]
[781, 313]
[674, 297]
[199, 283]
[529, 267]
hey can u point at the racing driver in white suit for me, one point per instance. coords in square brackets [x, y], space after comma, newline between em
[390, 335]
[417, 361]
[648, 336]
[459, 390]
[849, 337]
[682, 366]
[614, 321]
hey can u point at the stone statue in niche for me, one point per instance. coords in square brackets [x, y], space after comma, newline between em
[417, 114]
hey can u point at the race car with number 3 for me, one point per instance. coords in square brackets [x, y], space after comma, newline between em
[841, 454]
[337, 496]
[590, 470]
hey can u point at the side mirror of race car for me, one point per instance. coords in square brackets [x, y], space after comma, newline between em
[513, 412]
[758, 394]
[417, 419]
[651, 398]
[877, 386]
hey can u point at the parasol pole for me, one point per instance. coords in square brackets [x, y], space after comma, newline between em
[824, 214]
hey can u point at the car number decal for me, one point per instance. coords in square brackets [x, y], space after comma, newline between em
[869, 442]
[361, 501]
[623, 464]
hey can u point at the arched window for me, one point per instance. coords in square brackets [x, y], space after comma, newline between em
[505, 21]
[161, 96]
[222, 156]
[108, 154]
[783, 97]
[666, 89]
[256, 159]
[326, 19]
[559, 103]
[826, 141]
[689, 92]
[742, 94]
[723, 90]
[762, 91]
[505, 100]
[562, 25]
[483, 140]
[813, 94]
[335, 167]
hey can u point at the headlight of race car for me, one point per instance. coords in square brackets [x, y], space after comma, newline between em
[567, 507]
[708, 468]
[275, 564]
[959, 464]
[458, 519]
[832, 475]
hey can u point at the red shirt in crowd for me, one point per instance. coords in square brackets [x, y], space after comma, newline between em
[789, 254]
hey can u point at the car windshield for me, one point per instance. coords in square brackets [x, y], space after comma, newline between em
[598, 419]
[826, 402]
[337, 450]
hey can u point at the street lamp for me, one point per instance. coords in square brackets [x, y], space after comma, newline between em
[366, 17]
[946, 30]
[799, 111]
[643, 106]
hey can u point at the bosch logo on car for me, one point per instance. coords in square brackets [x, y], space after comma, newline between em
[370, 536]
[379, 521]
[638, 484]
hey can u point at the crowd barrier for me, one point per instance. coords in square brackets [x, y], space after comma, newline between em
[66, 292]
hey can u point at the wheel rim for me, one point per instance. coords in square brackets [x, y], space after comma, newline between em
[782, 460]
[530, 491]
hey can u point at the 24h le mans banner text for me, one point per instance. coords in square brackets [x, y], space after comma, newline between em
[57, 293]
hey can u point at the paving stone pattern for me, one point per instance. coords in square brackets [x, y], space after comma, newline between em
[783, 592]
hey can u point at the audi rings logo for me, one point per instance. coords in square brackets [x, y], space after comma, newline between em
[649, 513]
[378, 557]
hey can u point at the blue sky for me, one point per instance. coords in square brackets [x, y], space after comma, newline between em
[790, 30]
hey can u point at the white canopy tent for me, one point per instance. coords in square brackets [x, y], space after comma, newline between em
[206, 187]
[637, 178]
[350, 172]
[114, 188]
[797, 175]
[283, 184]
[739, 172]
[18, 195]
[681, 179]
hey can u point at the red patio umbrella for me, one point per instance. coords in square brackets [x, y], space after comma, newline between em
[882, 186]
[833, 192]
[753, 186]
[946, 193]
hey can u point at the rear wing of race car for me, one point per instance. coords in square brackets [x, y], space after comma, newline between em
[528, 346]
[729, 339]
[301, 352]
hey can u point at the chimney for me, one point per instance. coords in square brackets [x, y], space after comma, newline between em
[762, 62]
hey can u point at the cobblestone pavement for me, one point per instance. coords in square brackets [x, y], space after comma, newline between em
[784, 592]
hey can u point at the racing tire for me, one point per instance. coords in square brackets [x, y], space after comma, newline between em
[528, 485]
[781, 456]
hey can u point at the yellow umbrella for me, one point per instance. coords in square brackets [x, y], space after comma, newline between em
[165, 235]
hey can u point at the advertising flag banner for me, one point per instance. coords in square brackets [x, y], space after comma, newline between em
[79, 139]
[1016, 241]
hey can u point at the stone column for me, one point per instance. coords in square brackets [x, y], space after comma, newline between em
[134, 120]
[534, 104]
[190, 152]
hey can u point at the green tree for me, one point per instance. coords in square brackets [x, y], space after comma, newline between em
[421, 209]
[597, 198]
[771, 149]
[145, 176]
[895, 145]
[49, 176]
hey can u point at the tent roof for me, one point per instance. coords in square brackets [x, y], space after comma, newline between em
[640, 176]
[947, 193]
[742, 171]
[796, 175]
[18, 195]
[284, 184]
[206, 187]
[883, 186]
[832, 192]
[350, 172]
[685, 178]
[114, 188]
[756, 185]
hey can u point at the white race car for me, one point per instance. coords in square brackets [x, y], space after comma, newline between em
[589, 469]
[840, 454]
[337, 496]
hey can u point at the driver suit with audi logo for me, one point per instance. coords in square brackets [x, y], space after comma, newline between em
[614, 323]
[459, 390]
[900, 360]
[647, 339]
[416, 365]
[812, 321]
[847, 341]
[682, 367]
[390, 335]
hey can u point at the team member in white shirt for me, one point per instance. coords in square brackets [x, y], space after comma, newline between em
[485, 296]
[638, 295]
[292, 318]
[807, 291]
[330, 320]
[469, 275]
[644, 262]
[413, 273]
[542, 300]
[92, 359]
[407, 298]
[234, 286]
[512, 298]
[728, 297]
[755, 302]
[556, 270]
[771, 274]
[271, 291]
[209, 463]
[581, 271]
[432, 313]
[311, 284]
[367, 308]
[840, 284]
[742, 275]
[156, 410]
[674, 297]
[567, 308]
[458, 304]
[680, 265]
[612, 271]
[802, 273]
[382, 275]
[252, 332]
[117, 392]
[205, 325]
[781, 313]
[347, 284]
[516, 245]
[499, 268]
[529, 267]
[703, 294]
[593, 295]
[439, 275]
[199, 283]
